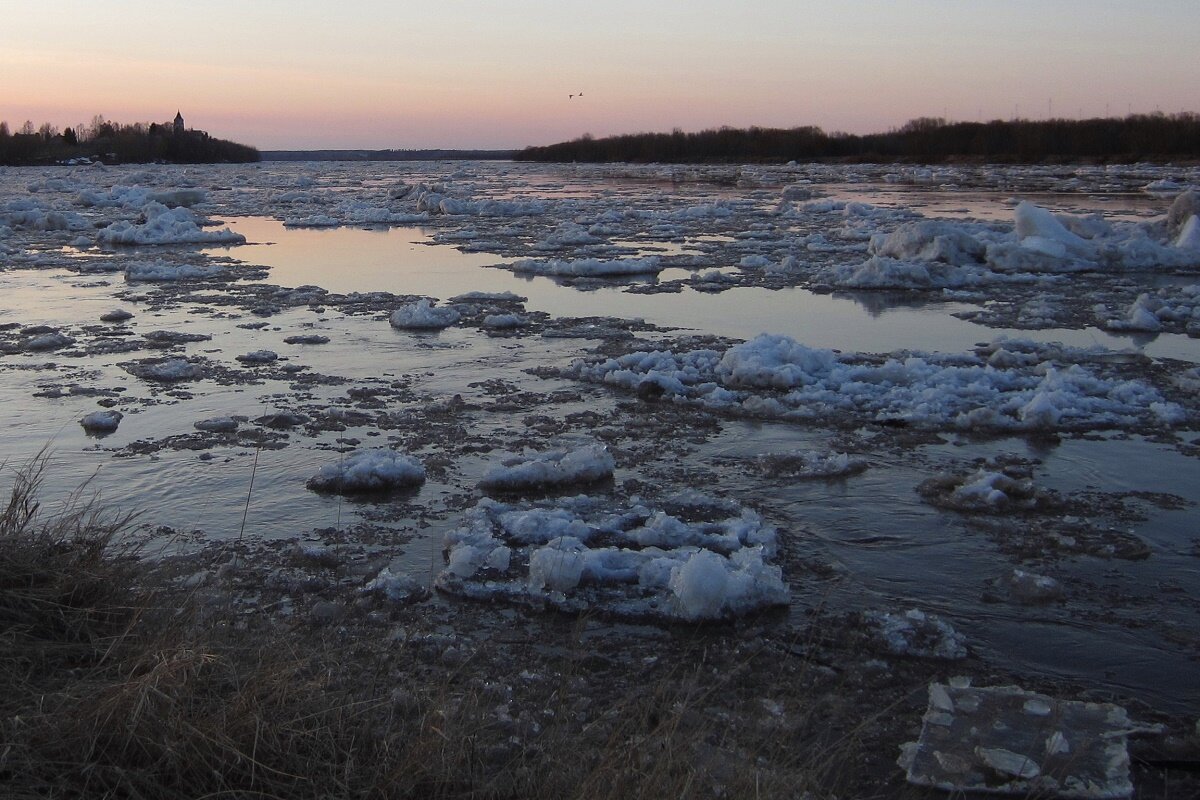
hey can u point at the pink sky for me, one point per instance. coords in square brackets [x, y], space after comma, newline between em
[366, 74]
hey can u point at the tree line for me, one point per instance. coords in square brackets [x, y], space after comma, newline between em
[1136, 137]
[115, 143]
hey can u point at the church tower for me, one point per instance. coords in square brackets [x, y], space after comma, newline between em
[178, 123]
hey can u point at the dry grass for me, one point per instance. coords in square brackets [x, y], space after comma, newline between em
[114, 687]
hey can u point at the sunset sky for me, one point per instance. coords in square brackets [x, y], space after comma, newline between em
[283, 74]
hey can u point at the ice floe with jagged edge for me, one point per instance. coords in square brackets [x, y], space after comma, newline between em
[938, 254]
[368, 472]
[1006, 385]
[587, 464]
[165, 226]
[692, 557]
[422, 315]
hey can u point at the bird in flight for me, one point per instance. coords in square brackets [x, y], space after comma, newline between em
[573, 96]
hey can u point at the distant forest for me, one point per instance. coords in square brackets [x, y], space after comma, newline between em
[114, 143]
[386, 155]
[1136, 137]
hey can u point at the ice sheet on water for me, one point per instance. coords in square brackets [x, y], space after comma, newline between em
[589, 267]
[632, 560]
[1005, 740]
[777, 377]
[936, 254]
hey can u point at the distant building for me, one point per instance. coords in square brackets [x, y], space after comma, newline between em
[178, 122]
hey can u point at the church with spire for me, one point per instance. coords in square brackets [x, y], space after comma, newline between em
[178, 123]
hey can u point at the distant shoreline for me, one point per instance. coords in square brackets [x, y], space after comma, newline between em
[1153, 137]
[387, 155]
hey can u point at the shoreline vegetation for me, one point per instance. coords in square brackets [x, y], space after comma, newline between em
[107, 142]
[120, 680]
[929, 140]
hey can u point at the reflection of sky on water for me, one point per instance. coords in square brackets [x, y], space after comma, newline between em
[404, 261]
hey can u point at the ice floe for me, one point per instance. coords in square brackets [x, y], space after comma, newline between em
[368, 472]
[916, 633]
[586, 464]
[164, 226]
[589, 267]
[991, 389]
[101, 421]
[422, 315]
[1005, 740]
[632, 560]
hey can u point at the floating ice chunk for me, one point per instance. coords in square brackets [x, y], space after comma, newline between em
[987, 740]
[368, 471]
[1189, 234]
[810, 464]
[1183, 208]
[590, 267]
[568, 234]
[312, 221]
[166, 226]
[307, 338]
[116, 315]
[774, 361]
[916, 633]
[482, 297]
[929, 240]
[556, 468]
[754, 262]
[171, 370]
[217, 425]
[421, 315]
[259, 357]
[162, 273]
[41, 341]
[1048, 233]
[700, 585]
[396, 588]
[1028, 587]
[504, 321]
[1163, 186]
[667, 580]
[101, 421]
[558, 566]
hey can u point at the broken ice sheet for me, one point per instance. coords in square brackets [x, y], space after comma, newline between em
[1005, 740]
